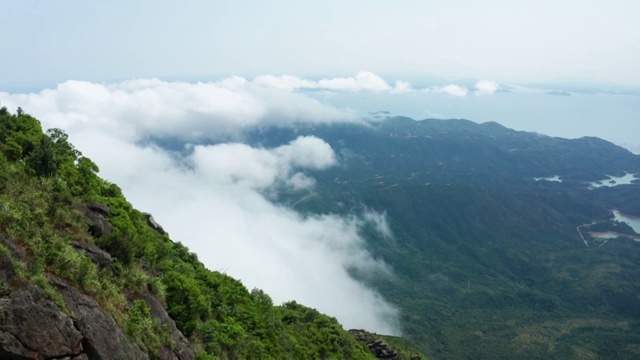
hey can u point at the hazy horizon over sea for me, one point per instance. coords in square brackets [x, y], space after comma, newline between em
[613, 117]
[554, 111]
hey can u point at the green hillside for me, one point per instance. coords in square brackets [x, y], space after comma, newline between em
[71, 240]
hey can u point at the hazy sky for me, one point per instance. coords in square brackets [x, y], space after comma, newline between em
[115, 74]
[45, 42]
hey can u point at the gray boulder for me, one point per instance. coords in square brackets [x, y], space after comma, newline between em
[96, 213]
[152, 222]
[100, 257]
[33, 327]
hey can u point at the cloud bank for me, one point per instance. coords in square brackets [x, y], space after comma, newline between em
[215, 198]
[196, 112]
[185, 111]
[363, 81]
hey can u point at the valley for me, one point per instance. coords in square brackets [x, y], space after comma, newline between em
[486, 258]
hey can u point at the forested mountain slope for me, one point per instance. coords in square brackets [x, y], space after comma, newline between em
[486, 250]
[84, 275]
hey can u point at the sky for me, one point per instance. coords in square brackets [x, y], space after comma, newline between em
[118, 76]
[590, 41]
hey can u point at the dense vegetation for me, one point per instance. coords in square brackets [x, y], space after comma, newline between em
[488, 260]
[43, 183]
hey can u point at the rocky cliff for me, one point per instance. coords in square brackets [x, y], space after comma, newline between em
[34, 326]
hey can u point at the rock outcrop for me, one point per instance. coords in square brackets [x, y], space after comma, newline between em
[152, 222]
[33, 326]
[96, 214]
[378, 347]
[100, 257]
[181, 349]
[102, 337]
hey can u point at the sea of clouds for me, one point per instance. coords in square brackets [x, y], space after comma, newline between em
[213, 196]
[213, 193]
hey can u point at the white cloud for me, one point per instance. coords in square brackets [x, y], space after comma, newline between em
[234, 228]
[451, 89]
[300, 181]
[455, 90]
[308, 151]
[379, 220]
[486, 87]
[285, 82]
[185, 111]
[402, 87]
[363, 81]
[213, 199]
[235, 163]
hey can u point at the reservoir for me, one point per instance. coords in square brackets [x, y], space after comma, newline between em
[632, 221]
[627, 179]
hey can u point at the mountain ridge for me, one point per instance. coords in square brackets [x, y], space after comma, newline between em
[487, 257]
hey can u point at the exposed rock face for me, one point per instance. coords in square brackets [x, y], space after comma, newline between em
[378, 347]
[96, 213]
[99, 208]
[382, 350]
[32, 327]
[103, 339]
[181, 349]
[100, 257]
[152, 222]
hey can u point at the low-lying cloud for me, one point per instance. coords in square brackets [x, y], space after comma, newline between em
[486, 87]
[363, 81]
[258, 169]
[451, 89]
[186, 111]
[214, 198]
[483, 87]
